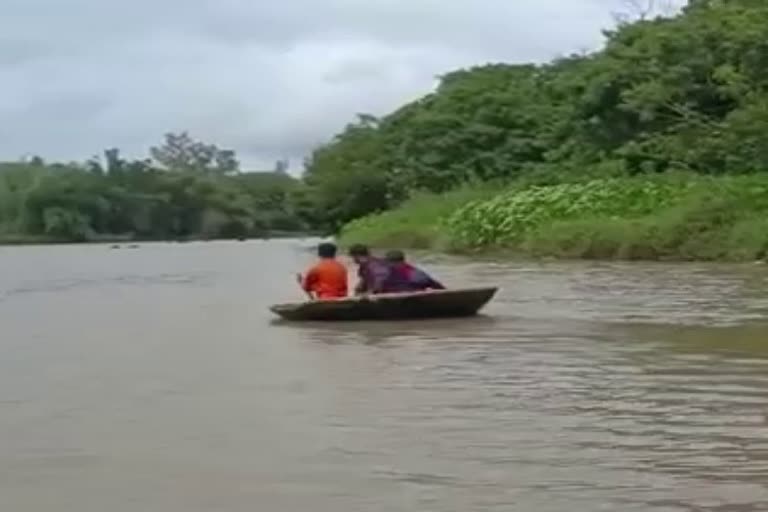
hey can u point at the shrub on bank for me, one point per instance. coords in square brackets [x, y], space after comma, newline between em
[645, 218]
[635, 218]
[415, 224]
[508, 218]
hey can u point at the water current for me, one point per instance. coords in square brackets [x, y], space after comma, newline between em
[154, 379]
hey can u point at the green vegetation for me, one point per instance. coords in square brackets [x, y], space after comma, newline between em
[416, 224]
[664, 217]
[656, 147]
[188, 190]
[679, 217]
[622, 142]
[508, 218]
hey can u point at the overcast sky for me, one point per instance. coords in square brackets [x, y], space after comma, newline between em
[268, 79]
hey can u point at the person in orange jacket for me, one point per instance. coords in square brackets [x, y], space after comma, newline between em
[327, 279]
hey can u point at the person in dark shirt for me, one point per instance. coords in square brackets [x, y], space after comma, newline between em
[374, 274]
[406, 277]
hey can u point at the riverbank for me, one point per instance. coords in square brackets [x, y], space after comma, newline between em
[22, 239]
[658, 218]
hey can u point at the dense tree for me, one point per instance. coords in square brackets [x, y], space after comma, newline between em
[196, 196]
[182, 153]
[345, 177]
[688, 91]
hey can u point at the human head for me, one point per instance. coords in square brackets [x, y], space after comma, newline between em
[326, 250]
[359, 253]
[395, 256]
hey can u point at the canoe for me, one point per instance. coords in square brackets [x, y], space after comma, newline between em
[391, 306]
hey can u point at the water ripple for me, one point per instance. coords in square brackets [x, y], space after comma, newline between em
[584, 387]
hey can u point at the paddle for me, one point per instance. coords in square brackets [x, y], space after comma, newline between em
[300, 280]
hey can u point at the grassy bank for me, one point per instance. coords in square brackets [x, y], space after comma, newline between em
[675, 217]
[417, 223]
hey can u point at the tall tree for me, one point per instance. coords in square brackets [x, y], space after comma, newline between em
[181, 153]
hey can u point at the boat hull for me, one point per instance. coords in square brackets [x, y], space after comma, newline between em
[394, 306]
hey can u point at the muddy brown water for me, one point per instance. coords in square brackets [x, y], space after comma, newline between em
[154, 379]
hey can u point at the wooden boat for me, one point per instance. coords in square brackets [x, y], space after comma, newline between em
[390, 306]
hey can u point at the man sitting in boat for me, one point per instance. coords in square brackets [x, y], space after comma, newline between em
[374, 275]
[408, 278]
[327, 279]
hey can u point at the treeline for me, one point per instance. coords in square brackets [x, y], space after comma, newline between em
[186, 189]
[683, 93]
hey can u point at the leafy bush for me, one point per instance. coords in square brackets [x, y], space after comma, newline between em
[506, 219]
[63, 224]
[680, 218]
[416, 223]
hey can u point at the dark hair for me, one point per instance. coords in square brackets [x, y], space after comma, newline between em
[395, 256]
[326, 250]
[359, 250]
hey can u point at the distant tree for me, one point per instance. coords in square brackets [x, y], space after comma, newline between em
[281, 166]
[642, 10]
[114, 162]
[182, 153]
[93, 165]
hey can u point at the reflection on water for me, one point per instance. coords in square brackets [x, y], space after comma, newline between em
[387, 333]
[155, 379]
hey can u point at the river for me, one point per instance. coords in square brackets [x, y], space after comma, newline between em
[154, 379]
